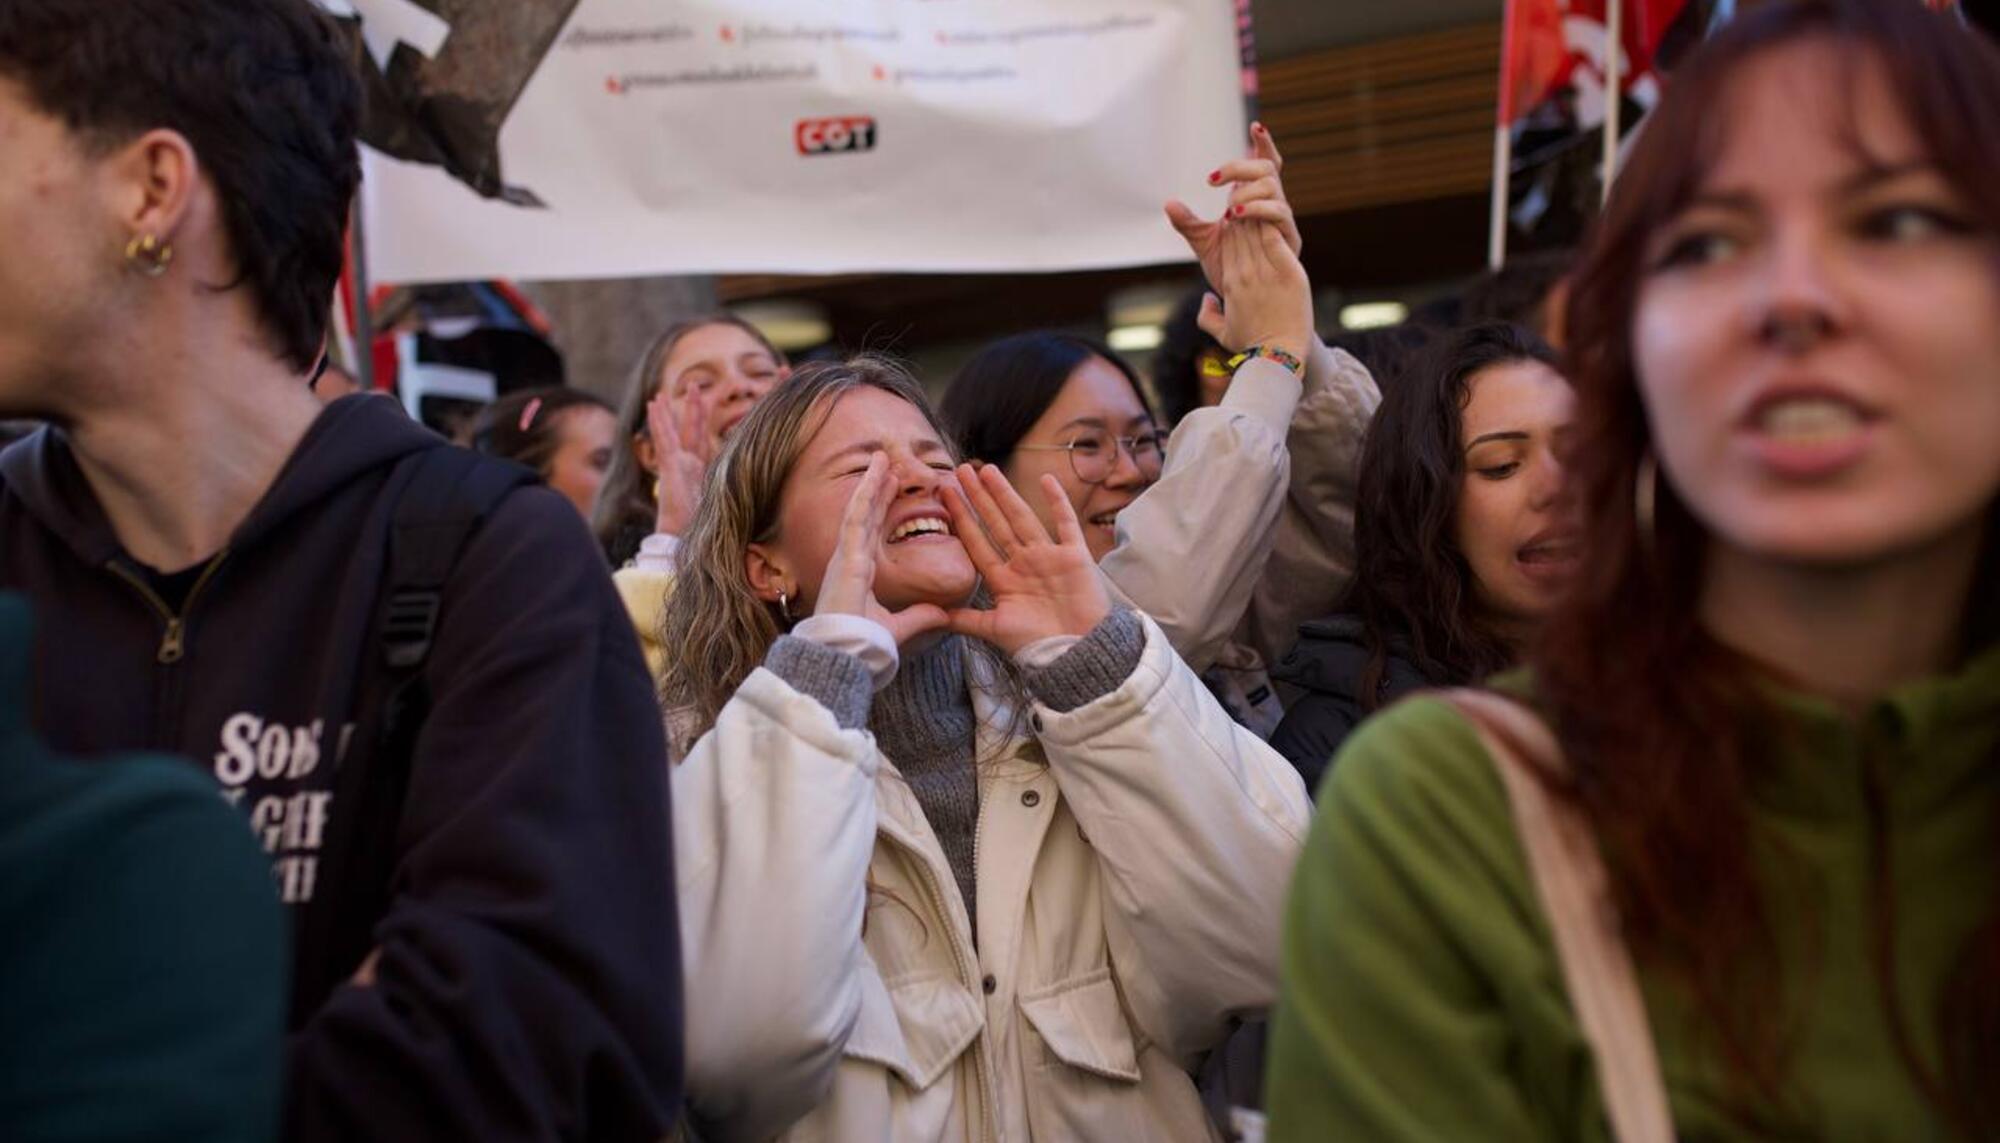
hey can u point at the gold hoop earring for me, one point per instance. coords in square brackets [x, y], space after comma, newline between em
[148, 255]
[1645, 503]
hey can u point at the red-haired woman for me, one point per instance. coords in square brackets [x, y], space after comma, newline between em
[1775, 687]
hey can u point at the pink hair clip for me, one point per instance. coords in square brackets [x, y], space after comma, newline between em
[528, 414]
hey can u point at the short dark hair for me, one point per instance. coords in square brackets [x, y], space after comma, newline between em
[1005, 388]
[262, 89]
[1413, 589]
[1177, 363]
[1518, 292]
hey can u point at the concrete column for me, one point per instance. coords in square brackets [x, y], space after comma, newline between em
[602, 327]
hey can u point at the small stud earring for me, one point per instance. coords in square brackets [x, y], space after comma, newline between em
[149, 255]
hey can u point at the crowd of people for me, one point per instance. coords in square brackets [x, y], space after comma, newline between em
[1474, 731]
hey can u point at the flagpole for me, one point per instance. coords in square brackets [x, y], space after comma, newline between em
[364, 321]
[1503, 171]
[1503, 145]
[1614, 85]
[363, 329]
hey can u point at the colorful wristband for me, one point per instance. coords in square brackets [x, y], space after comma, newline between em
[1280, 356]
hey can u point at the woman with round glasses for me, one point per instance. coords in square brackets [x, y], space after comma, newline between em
[1185, 542]
[1096, 455]
[1066, 406]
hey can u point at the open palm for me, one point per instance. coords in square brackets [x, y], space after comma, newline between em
[678, 427]
[1041, 585]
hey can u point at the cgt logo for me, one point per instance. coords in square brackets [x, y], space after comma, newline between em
[834, 136]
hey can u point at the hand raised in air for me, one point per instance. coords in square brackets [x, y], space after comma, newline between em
[1249, 254]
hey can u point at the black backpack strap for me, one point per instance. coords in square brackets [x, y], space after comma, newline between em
[443, 496]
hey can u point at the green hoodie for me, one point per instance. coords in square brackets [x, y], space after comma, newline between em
[1422, 999]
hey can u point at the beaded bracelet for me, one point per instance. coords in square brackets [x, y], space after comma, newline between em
[1280, 356]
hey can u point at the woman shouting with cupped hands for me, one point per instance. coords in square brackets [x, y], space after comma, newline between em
[965, 852]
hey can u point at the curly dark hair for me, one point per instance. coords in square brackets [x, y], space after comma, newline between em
[1413, 590]
[263, 91]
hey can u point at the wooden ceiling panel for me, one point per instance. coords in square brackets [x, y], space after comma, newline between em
[1397, 121]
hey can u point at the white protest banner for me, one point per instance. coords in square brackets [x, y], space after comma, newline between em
[617, 138]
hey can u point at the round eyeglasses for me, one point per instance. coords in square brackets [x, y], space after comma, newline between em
[1093, 453]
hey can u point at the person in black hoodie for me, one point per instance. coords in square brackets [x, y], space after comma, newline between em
[1460, 539]
[413, 677]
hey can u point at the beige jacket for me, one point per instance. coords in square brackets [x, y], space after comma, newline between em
[1132, 859]
[1250, 530]
[1312, 552]
[1191, 547]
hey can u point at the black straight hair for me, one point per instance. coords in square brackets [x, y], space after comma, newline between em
[1005, 388]
[1177, 363]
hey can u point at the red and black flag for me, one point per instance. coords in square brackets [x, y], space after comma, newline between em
[1560, 76]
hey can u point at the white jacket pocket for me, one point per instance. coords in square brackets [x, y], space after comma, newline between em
[1082, 1025]
[916, 1026]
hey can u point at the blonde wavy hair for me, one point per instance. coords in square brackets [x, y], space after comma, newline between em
[715, 628]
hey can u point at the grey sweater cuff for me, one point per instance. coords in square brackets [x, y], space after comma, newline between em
[1099, 664]
[836, 679]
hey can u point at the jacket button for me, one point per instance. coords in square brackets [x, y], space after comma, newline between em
[989, 985]
[1031, 799]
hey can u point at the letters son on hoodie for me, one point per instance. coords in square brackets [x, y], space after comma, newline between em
[533, 921]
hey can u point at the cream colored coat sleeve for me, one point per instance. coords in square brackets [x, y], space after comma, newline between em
[1312, 555]
[1191, 547]
[1196, 823]
[774, 827]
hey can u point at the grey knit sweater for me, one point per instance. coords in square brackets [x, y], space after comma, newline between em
[923, 720]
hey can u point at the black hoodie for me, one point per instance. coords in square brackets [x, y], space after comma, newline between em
[528, 985]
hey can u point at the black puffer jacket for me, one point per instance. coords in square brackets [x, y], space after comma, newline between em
[1327, 665]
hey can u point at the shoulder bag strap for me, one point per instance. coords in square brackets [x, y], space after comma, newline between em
[1575, 893]
[443, 495]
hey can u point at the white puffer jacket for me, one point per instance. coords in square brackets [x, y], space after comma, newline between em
[1132, 861]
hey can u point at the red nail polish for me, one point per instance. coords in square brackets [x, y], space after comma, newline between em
[1236, 211]
[1215, 176]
